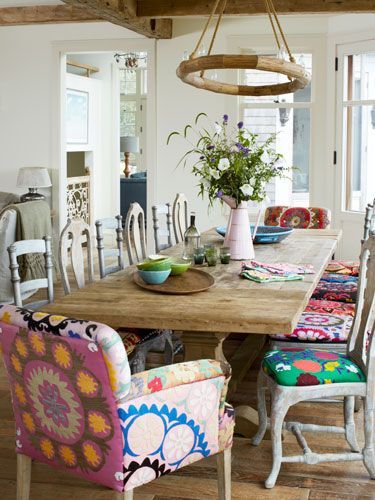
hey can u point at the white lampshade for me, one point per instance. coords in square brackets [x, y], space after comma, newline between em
[129, 144]
[33, 177]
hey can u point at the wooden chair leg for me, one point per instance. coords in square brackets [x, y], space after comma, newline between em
[278, 412]
[369, 450]
[23, 477]
[262, 411]
[127, 495]
[350, 434]
[224, 474]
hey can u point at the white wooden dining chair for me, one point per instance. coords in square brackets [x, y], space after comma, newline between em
[162, 232]
[114, 224]
[25, 247]
[75, 234]
[294, 376]
[135, 233]
[180, 216]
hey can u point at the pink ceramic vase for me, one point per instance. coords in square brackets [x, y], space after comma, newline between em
[238, 235]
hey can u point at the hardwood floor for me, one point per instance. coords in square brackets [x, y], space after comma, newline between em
[250, 465]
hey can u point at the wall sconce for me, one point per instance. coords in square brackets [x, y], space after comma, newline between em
[284, 114]
[372, 112]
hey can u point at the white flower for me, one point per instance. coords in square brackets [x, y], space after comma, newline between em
[18, 443]
[218, 128]
[119, 476]
[206, 183]
[280, 367]
[247, 189]
[223, 164]
[215, 174]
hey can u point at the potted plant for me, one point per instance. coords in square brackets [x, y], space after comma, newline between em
[232, 165]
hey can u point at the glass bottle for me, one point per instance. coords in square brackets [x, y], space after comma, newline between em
[192, 239]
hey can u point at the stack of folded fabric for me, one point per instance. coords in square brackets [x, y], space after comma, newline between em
[339, 282]
[266, 273]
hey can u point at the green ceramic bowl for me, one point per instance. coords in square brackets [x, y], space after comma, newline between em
[179, 266]
[162, 264]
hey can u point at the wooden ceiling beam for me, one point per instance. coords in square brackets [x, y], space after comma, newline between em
[44, 14]
[177, 8]
[121, 12]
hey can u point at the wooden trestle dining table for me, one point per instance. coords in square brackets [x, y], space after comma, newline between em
[206, 319]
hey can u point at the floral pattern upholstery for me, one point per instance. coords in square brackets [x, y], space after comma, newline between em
[302, 367]
[338, 278]
[297, 217]
[346, 267]
[77, 408]
[319, 327]
[339, 292]
[330, 307]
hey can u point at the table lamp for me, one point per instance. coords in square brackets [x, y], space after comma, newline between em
[128, 145]
[33, 178]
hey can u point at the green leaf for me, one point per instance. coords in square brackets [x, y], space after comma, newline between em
[198, 116]
[171, 135]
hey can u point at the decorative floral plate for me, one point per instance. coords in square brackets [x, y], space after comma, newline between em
[265, 234]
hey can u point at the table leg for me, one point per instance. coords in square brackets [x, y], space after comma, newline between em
[204, 345]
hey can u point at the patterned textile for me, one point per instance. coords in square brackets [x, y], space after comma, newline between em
[169, 429]
[339, 292]
[132, 338]
[330, 307]
[338, 278]
[64, 407]
[316, 327]
[298, 217]
[113, 349]
[64, 389]
[347, 267]
[301, 367]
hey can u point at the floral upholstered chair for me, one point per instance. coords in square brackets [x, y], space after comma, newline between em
[297, 374]
[298, 217]
[78, 408]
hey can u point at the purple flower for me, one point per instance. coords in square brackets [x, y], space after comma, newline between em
[212, 160]
[219, 194]
[225, 118]
[240, 125]
[210, 147]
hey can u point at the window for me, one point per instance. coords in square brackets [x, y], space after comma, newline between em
[133, 96]
[358, 132]
[287, 116]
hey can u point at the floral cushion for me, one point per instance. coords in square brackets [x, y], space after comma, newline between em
[330, 307]
[338, 278]
[347, 267]
[134, 337]
[339, 292]
[298, 217]
[297, 367]
[317, 327]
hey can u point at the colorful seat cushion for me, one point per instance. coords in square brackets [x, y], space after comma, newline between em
[297, 217]
[339, 292]
[338, 278]
[347, 267]
[317, 327]
[297, 367]
[132, 338]
[330, 307]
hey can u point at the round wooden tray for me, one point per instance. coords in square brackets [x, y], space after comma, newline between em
[193, 281]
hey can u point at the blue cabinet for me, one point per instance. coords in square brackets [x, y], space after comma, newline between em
[133, 189]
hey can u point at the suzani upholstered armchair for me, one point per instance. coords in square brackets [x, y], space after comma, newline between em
[77, 407]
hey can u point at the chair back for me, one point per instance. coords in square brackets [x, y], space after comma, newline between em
[180, 216]
[114, 224]
[361, 344]
[369, 220]
[298, 217]
[161, 232]
[135, 234]
[25, 247]
[66, 377]
[72, 236]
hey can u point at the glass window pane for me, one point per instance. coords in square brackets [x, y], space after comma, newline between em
[359, 156]
[256, 77]
[292, 129]
[128, 82]
[359, 76]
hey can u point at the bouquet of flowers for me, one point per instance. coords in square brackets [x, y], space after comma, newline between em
[232, 164]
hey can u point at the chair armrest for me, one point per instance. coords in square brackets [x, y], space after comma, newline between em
[166, 377]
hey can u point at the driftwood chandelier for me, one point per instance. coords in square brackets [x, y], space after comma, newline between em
[193, 70]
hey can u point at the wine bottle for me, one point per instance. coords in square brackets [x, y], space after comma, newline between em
[192, 239]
